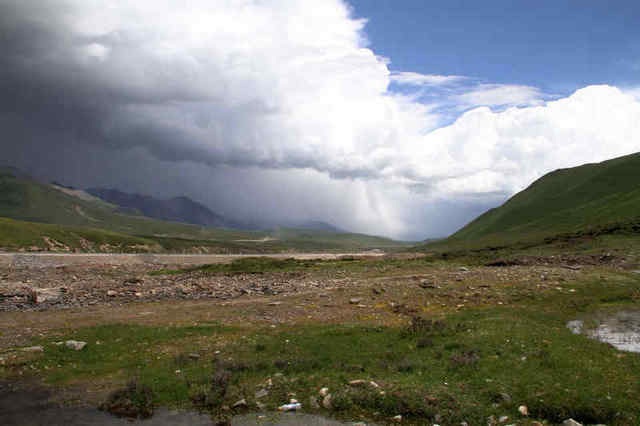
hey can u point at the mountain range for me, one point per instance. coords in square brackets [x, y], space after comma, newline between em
[39, 215]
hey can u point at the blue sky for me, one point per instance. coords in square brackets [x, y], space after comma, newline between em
[555, 45]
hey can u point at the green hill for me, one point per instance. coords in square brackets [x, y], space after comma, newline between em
[592, 199]
[80, 221]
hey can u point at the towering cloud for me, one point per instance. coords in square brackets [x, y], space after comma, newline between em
[286, 91]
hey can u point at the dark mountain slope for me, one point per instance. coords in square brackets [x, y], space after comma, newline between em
[178, 209]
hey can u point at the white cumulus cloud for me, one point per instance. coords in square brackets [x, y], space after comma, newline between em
[417, 79]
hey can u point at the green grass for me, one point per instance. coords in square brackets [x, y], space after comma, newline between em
[585, 201]
[15, 235]
[457, 367]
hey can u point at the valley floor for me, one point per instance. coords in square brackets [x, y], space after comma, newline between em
[387, 336]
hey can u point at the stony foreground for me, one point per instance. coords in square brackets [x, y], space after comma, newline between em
[393, 339]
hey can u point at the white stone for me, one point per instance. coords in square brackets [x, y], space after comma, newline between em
[75, 345]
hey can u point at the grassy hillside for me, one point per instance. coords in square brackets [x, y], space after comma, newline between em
[592, 199]
[18, 235]
[76, 215]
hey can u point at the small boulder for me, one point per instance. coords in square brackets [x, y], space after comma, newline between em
[426, 284]
[327, 402]
[33, 349]
[355, 300]
[505, 397]
[240, 404]
[112, 293]
[523, 410]
[290, 407]
[75, 345]
[261, 393]
[324, 392]
[575, 326]
[42, 295]
[571, 422]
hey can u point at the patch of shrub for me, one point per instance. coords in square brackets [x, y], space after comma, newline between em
[406, 366]
[464, 359]
[420, 326]
[213, 395]
[557, 411]
[424, 342]
[410, 404]
[134, 401]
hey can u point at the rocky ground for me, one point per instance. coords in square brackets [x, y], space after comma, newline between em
[374, 290]
[41, 308]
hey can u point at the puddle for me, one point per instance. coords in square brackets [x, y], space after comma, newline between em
[32, 407]
[621, 330]
[287, 419]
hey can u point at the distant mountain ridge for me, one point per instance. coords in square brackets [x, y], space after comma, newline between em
[178, 209]
[35, 216]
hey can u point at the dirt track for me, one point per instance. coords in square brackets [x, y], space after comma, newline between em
[65, 259]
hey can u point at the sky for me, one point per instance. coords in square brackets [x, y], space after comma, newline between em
[399, 118]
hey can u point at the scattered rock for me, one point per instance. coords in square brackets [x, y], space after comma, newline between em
[240, 404]
[324, 392]
[575, 326]
[290, 407]
[426, 284]
[505, 397]
[326, 402]
[355, 300]
[42, 295]
[397, 418]
[112, 293]
[463, 269]
[571, 422]
[261, 393]
[358, 383]
[33, 349]
[523, 410]
[75, 345]
[503, 419]
[194, 356]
